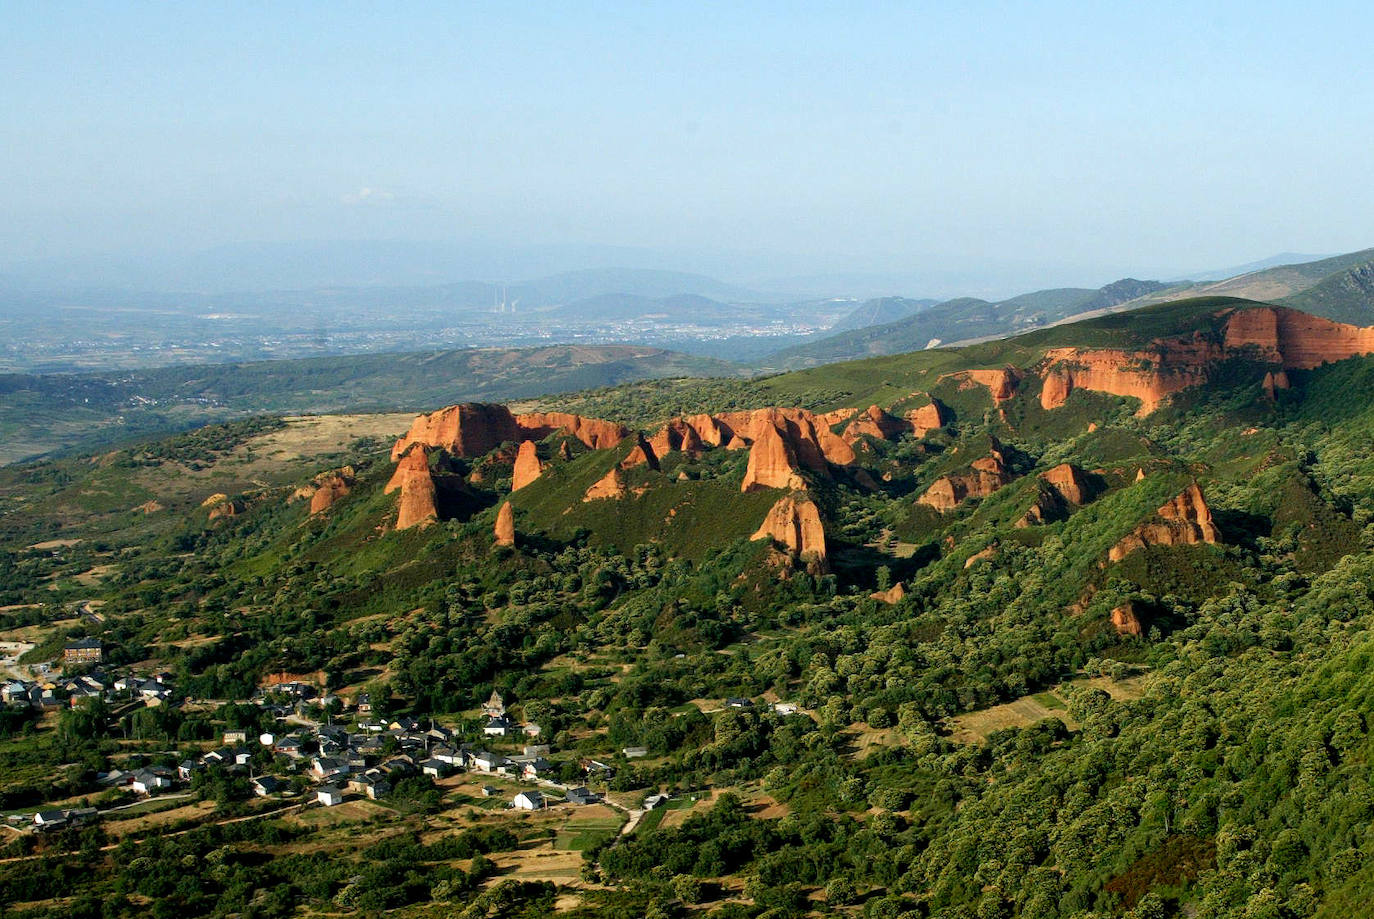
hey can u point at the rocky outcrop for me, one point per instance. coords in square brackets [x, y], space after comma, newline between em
[418, 505]
[611, 485]
[1290, 339]
[1184, 520]
[982, 555]
[927, 418]
[564, 451]
[893, 595]
[1001, 383]
[1070, 482]
[220, 506]
[772, 463]
[330, 487]
[640, 455]
[527, 466]
[986, 475]
[476, 428]
[1295, 340]
[1273, 382]
[1126, 620]
[875, 423]
[681, 434]
[794, 525]
[505, 526]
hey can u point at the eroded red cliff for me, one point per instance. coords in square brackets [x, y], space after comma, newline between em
[1184, 520]
[794, 525]
[412, 477]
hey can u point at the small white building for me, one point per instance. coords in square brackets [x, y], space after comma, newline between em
[529, 801]
[329, 795]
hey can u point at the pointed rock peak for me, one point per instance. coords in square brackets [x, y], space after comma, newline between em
[794, 524]
[928, 418]
[772, 463]
[505, 526]
[565, 451]
[527, 466]
[642, 454]
[1070, 481]
[892, 595]
[418, 506]
[329, 488]
[611, 485]
[1140, 474]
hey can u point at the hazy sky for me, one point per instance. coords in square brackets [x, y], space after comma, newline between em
[1054, 139]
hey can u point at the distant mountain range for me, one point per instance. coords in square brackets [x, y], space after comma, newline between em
[1340, 288]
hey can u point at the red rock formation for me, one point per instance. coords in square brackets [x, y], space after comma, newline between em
[988, 474]
[564, 451]
[875, 423]
[641, 455]
[1273, 382]
[527, 466]
[476, 428]
[928, 418]
[892, 595]
[1184, 520]
[982, 555]
[1126, 621]
[595, 433]
[1150, 375]
[708, 430]
[611, 485]
[1001, 384]
[1070, 481]
[222, 506]
[772, 463]
[1140, 474]
[736, 443]
[1296, 340]
[330, 487]
[505, 526]
[678, 434]
[418, 495]
[794, 523]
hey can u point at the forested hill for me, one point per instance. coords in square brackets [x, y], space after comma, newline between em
[41, 413]
[1073, 625]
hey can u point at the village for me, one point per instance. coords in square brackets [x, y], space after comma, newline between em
[322, 750]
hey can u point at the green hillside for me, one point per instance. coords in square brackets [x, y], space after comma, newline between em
[1049, 719]
[962, 319]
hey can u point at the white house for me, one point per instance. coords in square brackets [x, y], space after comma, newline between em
[529, 801]
[329, 795]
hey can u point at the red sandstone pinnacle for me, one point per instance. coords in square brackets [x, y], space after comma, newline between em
[988, 474]
[418, 495]
[527, 466]
[1126, 621]
[794, 523]
[1069, 481]
[505, 526]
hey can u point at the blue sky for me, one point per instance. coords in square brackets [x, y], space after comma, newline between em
[1049, 141]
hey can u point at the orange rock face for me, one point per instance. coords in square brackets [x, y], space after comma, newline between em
[418, 494]
[681, 434]
[476, 428]
[1296, 340]
[794, 523]
[1070, 481]
[329, 488]
[527, 466]
[1001, 384]
[988, 474]
[772, 463]
[1126, 621]
[928, 418]
[505, 526]
[1275, 335]
[1273, 382]
[1185, 520]
[641, 455]
[611, 485]
[875, 423]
